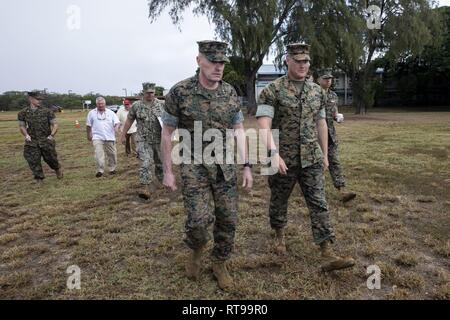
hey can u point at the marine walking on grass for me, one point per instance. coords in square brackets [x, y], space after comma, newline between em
[331, 101]
[210, 191]
[296, 107]
[38, 125]
[147, 114]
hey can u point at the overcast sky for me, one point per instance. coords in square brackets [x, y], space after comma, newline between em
[112, 46]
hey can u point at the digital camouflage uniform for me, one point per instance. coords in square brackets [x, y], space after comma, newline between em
[337, 175]
[148, 138]
[294, 113]
[206, 185]
[38, 123]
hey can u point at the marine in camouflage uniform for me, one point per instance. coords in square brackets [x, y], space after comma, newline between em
[205, 184]
[296, 106]
[148, 137]
[331, 102]
[38, 125]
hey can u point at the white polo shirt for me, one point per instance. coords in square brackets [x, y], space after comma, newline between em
[122, 114]
[102, 124]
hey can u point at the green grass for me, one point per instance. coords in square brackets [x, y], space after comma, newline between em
[398, 163]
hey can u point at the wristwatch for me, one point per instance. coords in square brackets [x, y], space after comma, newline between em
[248, 164]
[272, 152]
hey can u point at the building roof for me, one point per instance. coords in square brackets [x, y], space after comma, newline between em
[267, 69]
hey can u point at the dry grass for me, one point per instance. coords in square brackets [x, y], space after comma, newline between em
[132, 249]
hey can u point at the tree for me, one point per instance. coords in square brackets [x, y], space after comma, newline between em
[234, 74]
[159, 91]
[344, 34]
[424, 79]
[251, 27]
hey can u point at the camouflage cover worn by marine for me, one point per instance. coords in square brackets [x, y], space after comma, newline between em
[148, 138]
[38, 123]
[186, 103]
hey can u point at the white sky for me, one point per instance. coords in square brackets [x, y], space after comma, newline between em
[115, 47]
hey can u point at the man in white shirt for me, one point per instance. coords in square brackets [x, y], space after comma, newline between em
[101, 126]
[130, 143]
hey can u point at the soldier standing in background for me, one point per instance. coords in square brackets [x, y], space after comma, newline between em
[38, 125]
[147, 114]
[331, 101]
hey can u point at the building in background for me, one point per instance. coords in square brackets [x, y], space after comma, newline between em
[270, 72]
[266, 74]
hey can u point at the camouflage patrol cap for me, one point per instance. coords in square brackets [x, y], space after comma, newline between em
[298, 51]
[36, 94]
[325, 73]
[214, 51]
[148, 87]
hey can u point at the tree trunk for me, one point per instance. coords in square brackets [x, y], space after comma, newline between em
[363, 91]
[251, 93]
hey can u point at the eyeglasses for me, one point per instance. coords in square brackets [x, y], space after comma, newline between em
[102, 116]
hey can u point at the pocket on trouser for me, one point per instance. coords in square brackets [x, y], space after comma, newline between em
[311, 153]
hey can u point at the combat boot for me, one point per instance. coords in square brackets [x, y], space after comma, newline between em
[346, 196]
[332, 261]
[59, 173]
[193, 264]
[221, 273]
[145, 192]
[39, 182]
[280, 243]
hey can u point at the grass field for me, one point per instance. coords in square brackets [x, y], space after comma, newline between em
[127, 248]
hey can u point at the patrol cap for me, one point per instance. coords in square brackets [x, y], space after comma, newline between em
[148, 87]
[36, 94]
[325, 73]
[214, 51]
[298, 51]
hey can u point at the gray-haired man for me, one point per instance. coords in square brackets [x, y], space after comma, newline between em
[101, 126]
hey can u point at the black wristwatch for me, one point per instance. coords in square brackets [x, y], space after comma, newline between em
[248, 164]
[272, 152]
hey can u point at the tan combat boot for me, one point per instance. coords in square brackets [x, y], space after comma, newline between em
[146, 192]
[221, 273]
[59, 173]
[193, 264]
[332, 261]
[346, 196]
[280, 243]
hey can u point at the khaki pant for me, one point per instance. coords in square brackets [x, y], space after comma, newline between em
[130, 145]
[105, 148]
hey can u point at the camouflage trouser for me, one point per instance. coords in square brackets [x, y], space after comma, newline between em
[150, 156]
[312, 184]
[337, 175]
[200, 186]
[34, 153]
